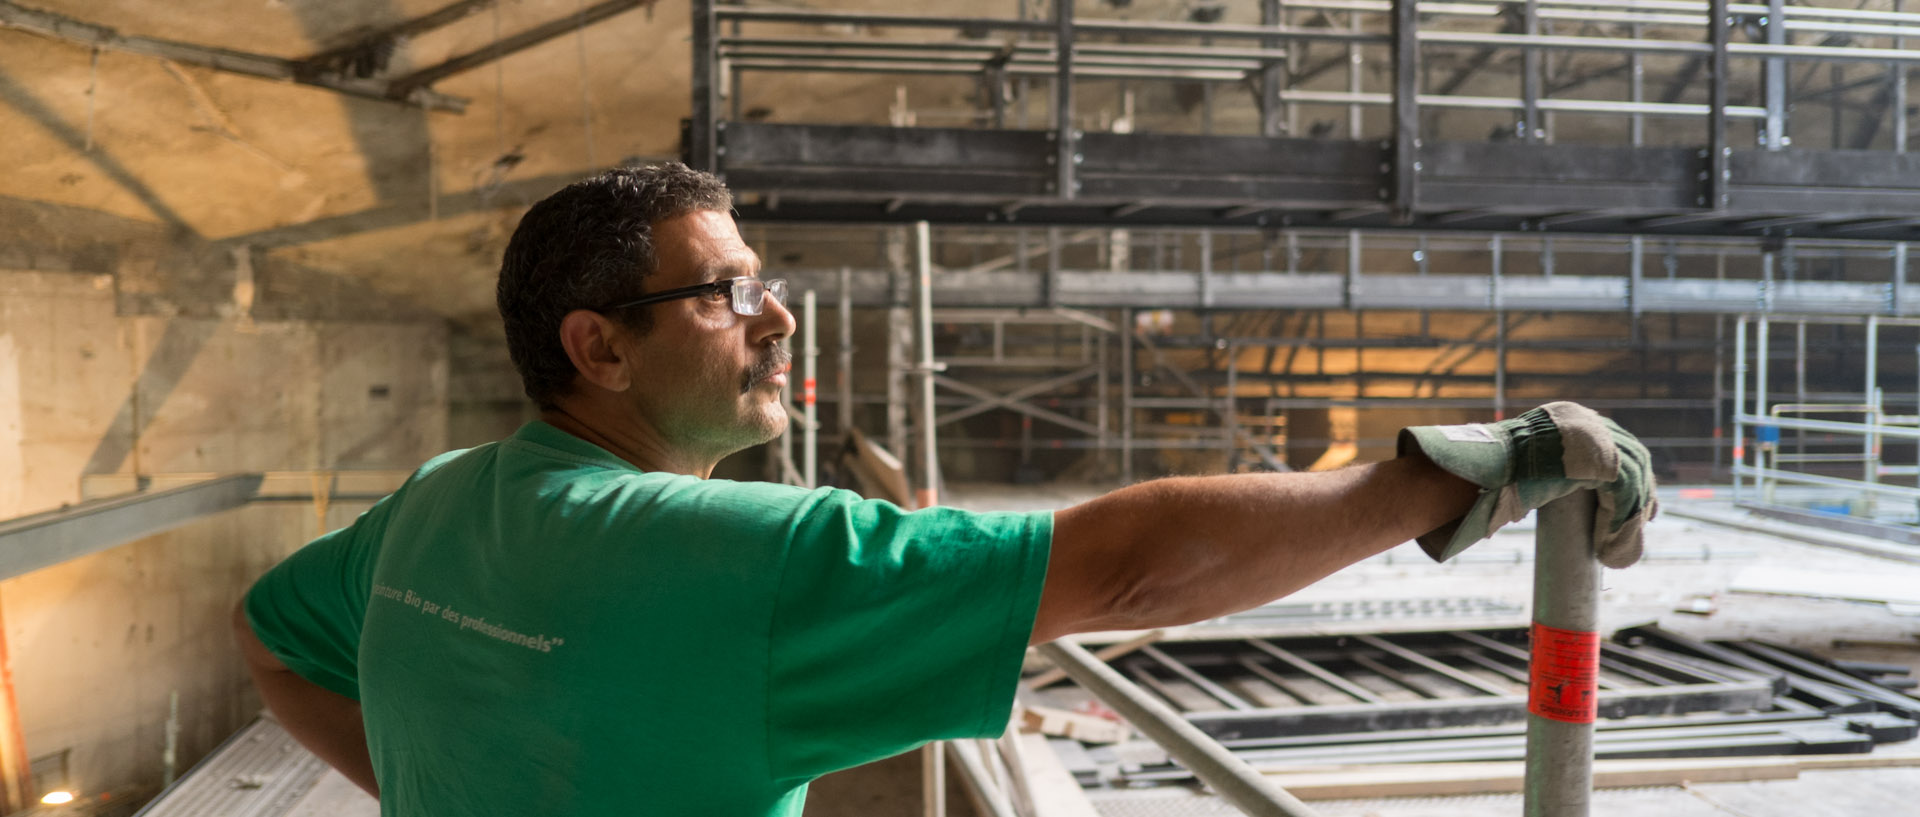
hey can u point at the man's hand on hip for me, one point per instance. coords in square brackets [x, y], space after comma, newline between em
[1535, 458]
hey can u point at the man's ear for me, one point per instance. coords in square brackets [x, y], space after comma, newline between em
[590, 339]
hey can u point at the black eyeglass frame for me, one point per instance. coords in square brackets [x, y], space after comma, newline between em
[736, 289]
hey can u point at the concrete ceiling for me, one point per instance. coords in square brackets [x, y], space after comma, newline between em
[337, 183]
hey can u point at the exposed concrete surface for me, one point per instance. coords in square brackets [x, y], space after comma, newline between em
[99, 644]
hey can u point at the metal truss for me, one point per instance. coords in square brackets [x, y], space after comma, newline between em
[1408, 179]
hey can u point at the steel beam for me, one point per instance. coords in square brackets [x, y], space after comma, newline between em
[29, 543]
[859, 173]
[61, 27]
[403, 86]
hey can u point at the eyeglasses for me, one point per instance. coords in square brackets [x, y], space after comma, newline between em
[748, 293]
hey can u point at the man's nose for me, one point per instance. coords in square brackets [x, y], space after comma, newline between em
[774, 322]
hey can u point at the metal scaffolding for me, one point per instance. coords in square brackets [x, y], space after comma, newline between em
[1408, 170]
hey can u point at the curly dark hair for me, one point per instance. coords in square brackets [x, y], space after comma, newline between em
[589, 245]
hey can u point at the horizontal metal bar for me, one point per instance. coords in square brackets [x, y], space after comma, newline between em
[1898, 432]
[987, 49]
[1479, 711]
[1821, 53]
[1832, 482]
[855, 18]
[29, 543]
[1545, 41]
[931, 67]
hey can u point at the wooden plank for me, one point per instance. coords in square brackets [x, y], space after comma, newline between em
[1066, 723]
[1055, 793]
[1440, 779]
[1794, 581]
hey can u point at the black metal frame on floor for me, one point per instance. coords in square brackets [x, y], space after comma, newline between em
[1064, 175]
[1662, 694]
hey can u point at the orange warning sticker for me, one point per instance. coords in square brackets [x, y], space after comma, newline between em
[1564, 674]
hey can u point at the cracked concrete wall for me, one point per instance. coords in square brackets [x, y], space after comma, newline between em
[100, 644]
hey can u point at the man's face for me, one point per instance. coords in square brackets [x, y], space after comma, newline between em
[706, 377]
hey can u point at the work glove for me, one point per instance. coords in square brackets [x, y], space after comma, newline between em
[1535, 458]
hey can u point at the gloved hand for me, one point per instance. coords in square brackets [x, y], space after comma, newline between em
[1535, 458]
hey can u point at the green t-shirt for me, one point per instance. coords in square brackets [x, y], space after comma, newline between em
[535, 627]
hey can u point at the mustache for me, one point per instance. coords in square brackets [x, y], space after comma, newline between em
[775, 362]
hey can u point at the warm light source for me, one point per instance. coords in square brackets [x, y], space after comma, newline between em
[55, 798]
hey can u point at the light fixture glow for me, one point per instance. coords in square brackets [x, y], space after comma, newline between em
[55, 798]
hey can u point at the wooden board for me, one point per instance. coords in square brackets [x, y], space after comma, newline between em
[1438, 779]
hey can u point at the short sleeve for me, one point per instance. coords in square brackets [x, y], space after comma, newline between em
[894, 628]
[308, 610]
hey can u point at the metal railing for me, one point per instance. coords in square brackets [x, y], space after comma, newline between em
[1759, 426]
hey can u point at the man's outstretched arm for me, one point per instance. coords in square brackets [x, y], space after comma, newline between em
[324, 721]
[1186, 549]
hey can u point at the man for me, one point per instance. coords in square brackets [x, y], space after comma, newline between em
[576, 620]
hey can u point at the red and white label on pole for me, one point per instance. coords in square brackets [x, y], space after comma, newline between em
[807, 393]
[1565, 674]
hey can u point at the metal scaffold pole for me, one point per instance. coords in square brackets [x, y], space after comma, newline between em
[933, 763]
[809, 394]
[1565, 661]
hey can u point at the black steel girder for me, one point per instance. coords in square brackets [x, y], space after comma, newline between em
[859, 173]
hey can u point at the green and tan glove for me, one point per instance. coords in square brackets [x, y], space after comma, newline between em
[1535, 458]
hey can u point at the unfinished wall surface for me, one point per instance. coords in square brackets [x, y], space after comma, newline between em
[100, 645]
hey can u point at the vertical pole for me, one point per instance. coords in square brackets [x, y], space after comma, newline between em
[933, 758]
[1899, 91]
[1353, 75]
[1126, 396]
[1230, 412]
[1205, 240]
[843, 381]
[1800, 380]
[702, 131]
[1500, 330]
[1272, 75]
[1636, 275]
[1871, 447]
[1565, 661]
[1405, 196]
[786, 473]
[1899, 277]
[1776, 77]
[1739, 402]
[1637, 89]
[809, 393]
[1719, 387]
[899, 343]
[1718, 153]
[1761, 348]
[1500, 365]
[1530, 77]
[923, 314]
[1350, 288]
[1101, 420]
[1065, 138]
[933, 779]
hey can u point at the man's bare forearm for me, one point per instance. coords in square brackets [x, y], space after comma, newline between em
[324, 721]
[1186, 549]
